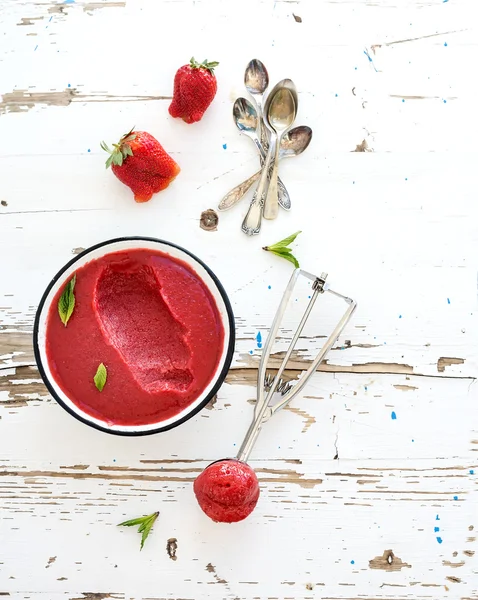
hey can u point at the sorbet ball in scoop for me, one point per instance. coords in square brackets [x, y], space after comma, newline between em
[227, 491]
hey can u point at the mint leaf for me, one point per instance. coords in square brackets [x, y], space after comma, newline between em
[100, 377]
[281, 249]
[286, 253]
[285, 242]
[145, 524]
[66, 303]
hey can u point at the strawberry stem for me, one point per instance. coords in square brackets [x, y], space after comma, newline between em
[210, 66]
[120, 151]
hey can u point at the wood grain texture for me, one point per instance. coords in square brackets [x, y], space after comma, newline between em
[369, 479]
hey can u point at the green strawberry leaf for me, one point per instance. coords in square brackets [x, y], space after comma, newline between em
[100, 377]
[117, 158]
[210, 66]
[109, 161]
[145, 524]
[281, 249]
[66, 303]
[120, 151]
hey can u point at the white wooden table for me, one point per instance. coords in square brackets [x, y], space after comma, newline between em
[369, 479]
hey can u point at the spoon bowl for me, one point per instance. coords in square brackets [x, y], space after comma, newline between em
[256, 77]
[281, 110]
[245, 116]
[295, 141]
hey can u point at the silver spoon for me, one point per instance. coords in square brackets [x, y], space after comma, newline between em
[249, 123]
[281, 112]
[293, 143]
[253, 219]
[256, 80]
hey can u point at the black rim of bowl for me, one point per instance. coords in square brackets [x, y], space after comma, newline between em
[219, 380]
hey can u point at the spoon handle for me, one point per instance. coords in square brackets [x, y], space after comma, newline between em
[233, 197]
[252, 221]
[283, 195]
[271, 208]
[237, 193]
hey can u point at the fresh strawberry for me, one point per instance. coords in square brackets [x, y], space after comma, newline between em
[195, 86]
[140, 162]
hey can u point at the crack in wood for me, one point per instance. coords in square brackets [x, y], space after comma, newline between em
[90, 6]
[453, 565]
[415, 39]
[445, 361]
[171, 548]
[388, 562]
[25, 100]
[210, 568]
[308, 420]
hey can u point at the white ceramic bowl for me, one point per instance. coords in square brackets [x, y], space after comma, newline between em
[116, 245]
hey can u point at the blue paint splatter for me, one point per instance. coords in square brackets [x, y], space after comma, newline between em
[439, 540]
[472, 472]
[394, 415]
[366, 388]
[251, 352]
[399, 316]
[309, 297]
[49, 20]
[269, 287]
[336, 95]
[455, 497]
[437, 518]
[355, 68]
[384, 343]
[445, 44]
[114, 459]
[444, 101]
[352, 562]
[445, 1]
[406, 178]
[68, 1]
[259, 339]
[448, 300]
[35, 47]
[413, 440]
[403, 99]
[69, 85]
[369, 59]
[89, 149]
[353, 182]
[437, 529]
[224, 146]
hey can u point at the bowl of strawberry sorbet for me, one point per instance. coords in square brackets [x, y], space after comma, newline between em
[134, 336]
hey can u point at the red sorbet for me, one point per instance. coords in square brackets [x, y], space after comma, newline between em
[152, 322]
[227, 491]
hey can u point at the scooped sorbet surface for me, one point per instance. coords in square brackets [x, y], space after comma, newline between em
[154, 325]
[227, 491]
